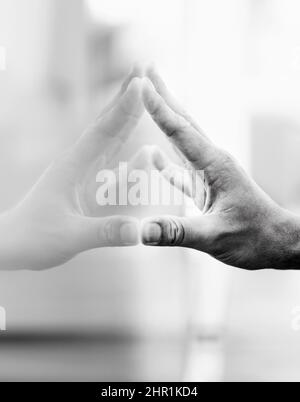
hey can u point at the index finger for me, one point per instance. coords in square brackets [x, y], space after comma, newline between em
[110, 131]
[162, 89]
[197, 148]
[137, 71]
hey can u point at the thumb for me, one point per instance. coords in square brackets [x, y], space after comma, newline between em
[173, 231]
[116, 231]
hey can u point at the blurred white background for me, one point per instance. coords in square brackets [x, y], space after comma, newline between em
[151, 314]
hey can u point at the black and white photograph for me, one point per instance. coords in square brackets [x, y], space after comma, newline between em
[150, 194]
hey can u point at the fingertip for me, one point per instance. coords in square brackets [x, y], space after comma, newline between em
[134, 85]
[147, 85]
[136, 72]
[163, 232]
[121, 231]
[129, 233]
[151, 233]
[132, 101]
[159, 160]
[156, 79]
[150, 96]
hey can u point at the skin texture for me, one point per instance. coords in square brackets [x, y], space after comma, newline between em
[56, 220]
[238, 223]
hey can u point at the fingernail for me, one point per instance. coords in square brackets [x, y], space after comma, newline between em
[135, 87]
[135, 81]
[147, 83]
[129, 234]
[152, 234]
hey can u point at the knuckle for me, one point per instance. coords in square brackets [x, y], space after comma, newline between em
[96, 131]
[153, 106]
[225, 165]
[225, 158]
[173, 232]
[159, 116]
[129, 113]
[176, 127]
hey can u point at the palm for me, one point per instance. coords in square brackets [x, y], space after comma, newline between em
[58, 218]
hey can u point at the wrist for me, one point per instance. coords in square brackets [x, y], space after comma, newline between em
[286, 245]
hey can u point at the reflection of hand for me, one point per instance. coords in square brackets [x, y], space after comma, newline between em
[240, 225]
[54, 222]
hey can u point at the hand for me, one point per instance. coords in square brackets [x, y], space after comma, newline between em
[239, 224]
[57, 219]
